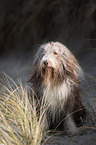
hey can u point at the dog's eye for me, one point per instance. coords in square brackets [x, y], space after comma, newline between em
[55, 53]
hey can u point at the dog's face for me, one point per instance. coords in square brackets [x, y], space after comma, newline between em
[54, 61]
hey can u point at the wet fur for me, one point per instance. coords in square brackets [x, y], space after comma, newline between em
[56, 76]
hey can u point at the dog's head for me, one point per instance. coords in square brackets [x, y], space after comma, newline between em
[54, 61]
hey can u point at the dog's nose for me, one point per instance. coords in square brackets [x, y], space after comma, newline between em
[45, 63]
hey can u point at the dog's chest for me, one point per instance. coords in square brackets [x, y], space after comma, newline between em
[56, 95]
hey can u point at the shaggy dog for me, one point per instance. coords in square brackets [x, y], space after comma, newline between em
[56, 76]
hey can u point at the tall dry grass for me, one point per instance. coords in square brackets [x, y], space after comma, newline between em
[20, 123]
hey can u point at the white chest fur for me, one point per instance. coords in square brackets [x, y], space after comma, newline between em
[56, 95]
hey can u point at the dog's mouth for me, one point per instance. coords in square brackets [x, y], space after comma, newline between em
[47, 72]
[51, 74]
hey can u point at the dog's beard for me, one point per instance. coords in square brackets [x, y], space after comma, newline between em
[48, 73]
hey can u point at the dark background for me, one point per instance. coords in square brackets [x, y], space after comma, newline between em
[25, 23]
